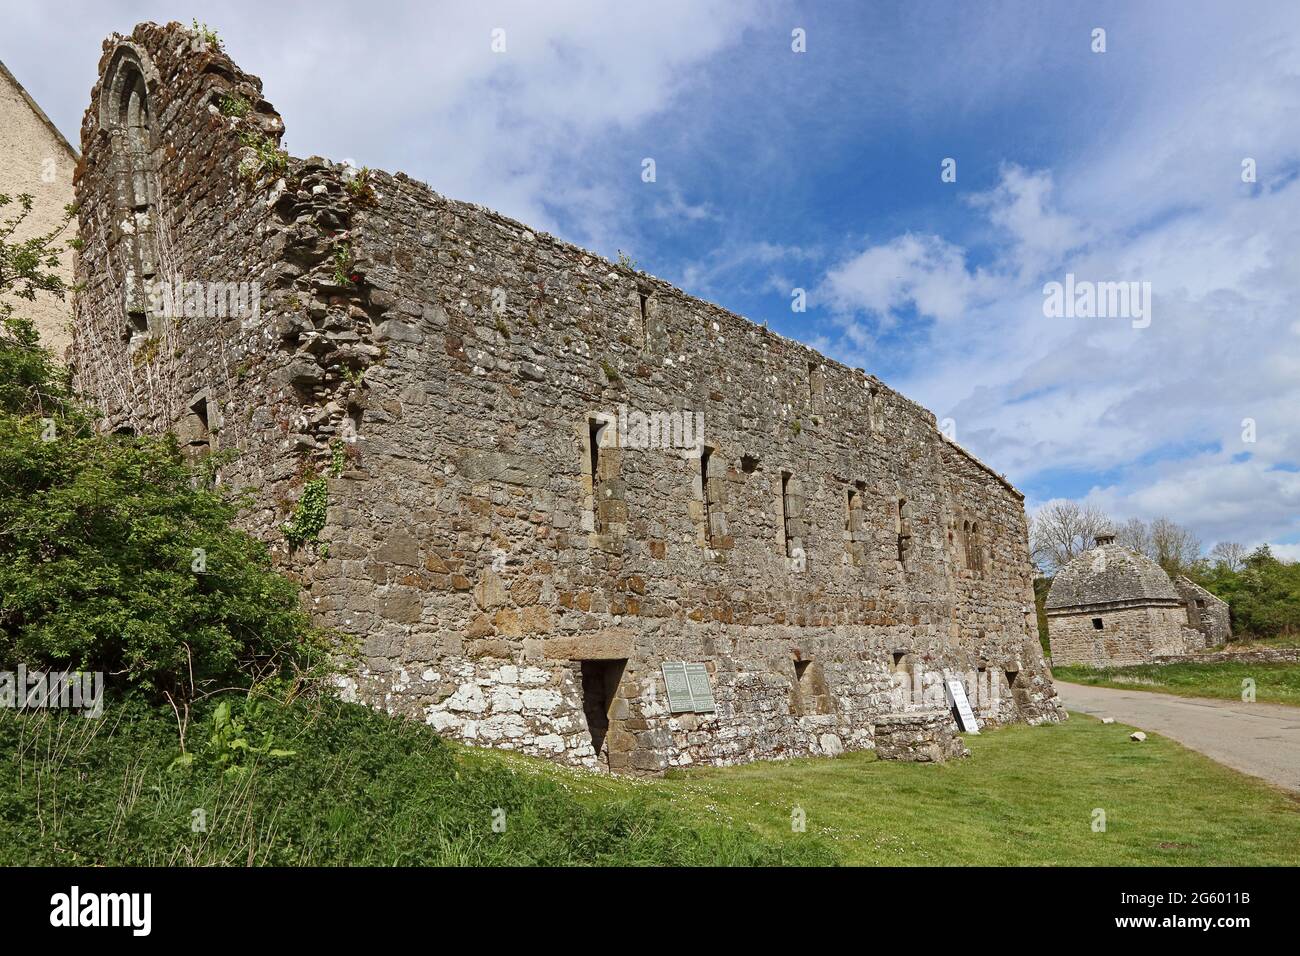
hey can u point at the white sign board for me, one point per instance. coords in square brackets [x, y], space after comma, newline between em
[957, 698]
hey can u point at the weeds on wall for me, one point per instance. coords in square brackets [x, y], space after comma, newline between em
[343, 274]
[359, 187]
[308, 518]
[205, 37]
[234, 106]
[266, 156]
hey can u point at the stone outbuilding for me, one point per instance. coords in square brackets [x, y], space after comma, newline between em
[1112, 605]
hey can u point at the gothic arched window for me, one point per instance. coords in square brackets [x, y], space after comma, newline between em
[126, 115]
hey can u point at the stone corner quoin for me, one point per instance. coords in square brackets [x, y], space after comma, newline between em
[505, 531]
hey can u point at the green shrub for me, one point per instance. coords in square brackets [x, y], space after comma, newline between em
[309, 514]
[117, 556]
[1264, 596]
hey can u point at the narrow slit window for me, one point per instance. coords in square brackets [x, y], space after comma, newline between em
[195, 430]
[853, 530]
[810, 689]
[974, 550]
[137, 326]
[600, 689]
[594, 429]
[792, 522]
[705, 455]
[904, 532]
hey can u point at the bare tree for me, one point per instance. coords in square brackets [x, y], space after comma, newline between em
[1174, 547]
[1062, 530]
[1135, 534]
[1229, 554]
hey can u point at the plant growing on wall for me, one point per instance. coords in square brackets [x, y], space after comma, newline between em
[234, 106]
[266, 156]
[344, 273]
[308, 519]
[204, 36]
[359, 187]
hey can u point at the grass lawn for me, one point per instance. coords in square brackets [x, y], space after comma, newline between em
[1025, 797]
[360, 788]
[1275, 683]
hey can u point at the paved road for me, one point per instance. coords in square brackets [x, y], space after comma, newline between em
[1259, 739]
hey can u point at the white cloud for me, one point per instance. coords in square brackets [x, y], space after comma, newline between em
[1021, 205]
[1287, 552]
[1152, 193]
[923, 272]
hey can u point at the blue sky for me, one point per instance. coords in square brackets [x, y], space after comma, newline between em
[821, 170]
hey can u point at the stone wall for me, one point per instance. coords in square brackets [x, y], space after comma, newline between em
[926, 737]
[517, 552]
[1206, 613]
[1258, 655]
[1128, 635]
[35, 159]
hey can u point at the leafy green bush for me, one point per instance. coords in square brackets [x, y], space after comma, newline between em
[355, 788]
[111, 559]
[1264, 595]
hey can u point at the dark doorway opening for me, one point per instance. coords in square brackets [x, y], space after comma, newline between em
[600, 680]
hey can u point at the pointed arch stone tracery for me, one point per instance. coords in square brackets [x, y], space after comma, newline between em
[126, 115]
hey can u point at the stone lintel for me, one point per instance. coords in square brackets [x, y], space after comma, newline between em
[609, 645]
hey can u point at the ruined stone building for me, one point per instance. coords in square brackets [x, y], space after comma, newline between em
[1112, 605]
[36, 160]
[565, 507]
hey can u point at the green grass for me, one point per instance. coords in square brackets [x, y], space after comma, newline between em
[1275, 683]
[362, 788]
[1025, 797]
[1280, 640]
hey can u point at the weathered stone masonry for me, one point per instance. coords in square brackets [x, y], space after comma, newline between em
[516, 564]
[1111, 605]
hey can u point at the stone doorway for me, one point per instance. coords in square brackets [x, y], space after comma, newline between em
[600, 680]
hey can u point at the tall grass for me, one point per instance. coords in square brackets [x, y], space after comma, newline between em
[360, 788]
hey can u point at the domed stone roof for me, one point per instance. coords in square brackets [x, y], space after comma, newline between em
[1110, 572]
